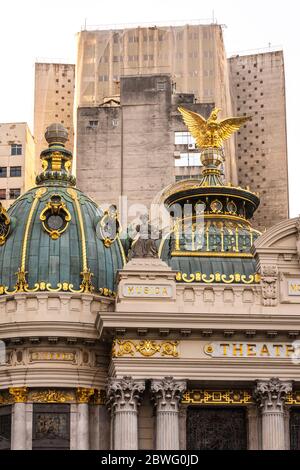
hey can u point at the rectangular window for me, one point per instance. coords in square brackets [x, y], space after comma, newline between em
[16, 149]
[15, 171]
[2, 194]
[103, 78]
[14, 193]
[93, 123]
[187, 159]
[184, 138]
[3, 172]
[161, 86]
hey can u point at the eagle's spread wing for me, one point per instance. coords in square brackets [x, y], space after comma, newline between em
[228, 126]
[195, 123]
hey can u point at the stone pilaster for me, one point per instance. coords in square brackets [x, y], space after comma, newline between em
[123, 399]
[83, 396]
[19, 395]
[270, 396]
[166, 394]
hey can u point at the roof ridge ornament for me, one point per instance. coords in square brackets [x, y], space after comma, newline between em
[56, 159]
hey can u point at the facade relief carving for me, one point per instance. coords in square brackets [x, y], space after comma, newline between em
[269, 281]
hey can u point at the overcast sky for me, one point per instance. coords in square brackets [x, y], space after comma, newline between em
[35, 29]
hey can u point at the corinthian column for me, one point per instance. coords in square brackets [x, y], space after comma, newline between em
[166, 394]
[123, 400]
[19, 418]
[270, 396]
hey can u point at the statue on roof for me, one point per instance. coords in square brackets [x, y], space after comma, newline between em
[211, 133]
[144, 243]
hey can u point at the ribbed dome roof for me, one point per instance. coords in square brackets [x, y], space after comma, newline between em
[54, 236]
[212, 236]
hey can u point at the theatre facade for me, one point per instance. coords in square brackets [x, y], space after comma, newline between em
[187, 340]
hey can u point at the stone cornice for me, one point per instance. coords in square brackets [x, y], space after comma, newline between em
[48, 328]
[261, 322]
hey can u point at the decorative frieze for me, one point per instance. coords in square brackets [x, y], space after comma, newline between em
[83, 395]
[217, 397]
[79, 395]
[52, 396]
[145, 348]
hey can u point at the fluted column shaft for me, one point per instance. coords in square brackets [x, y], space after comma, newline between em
[270, 396]
[123, 400]
[273, 437]
[166, 394]
[19, 427]
[126, 430]
[19, 395]
[83, 426]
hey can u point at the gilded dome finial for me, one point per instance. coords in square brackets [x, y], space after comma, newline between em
[56, 159]
[57, 134]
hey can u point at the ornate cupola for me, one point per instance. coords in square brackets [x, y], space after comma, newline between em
[212, 234]
[56, 238]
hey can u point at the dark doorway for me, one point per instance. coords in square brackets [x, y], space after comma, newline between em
[295, 428]
[51, 427]
[216, 428]
[5, 427]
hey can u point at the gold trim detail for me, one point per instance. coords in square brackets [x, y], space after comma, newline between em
[217, 277]
[212, 254]
[146, 348]
[46, 286]
[19, 394]
[217, 397]
[55, 206]
[99, 398]
[21, 284]
[5, 398]
[56, 161]
[4, 217]
[51, 396]
[86, 285]
[293, 398]
[83, 395]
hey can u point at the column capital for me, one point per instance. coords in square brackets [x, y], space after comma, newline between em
[19, 394]
[270, 394]
[83, 395]
[123, 394]
[167, 392]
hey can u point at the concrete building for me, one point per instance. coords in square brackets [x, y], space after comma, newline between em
[181, 342]
[17, 161]
[142, 143]
[194, 56]
[53, 101]
[258, 89]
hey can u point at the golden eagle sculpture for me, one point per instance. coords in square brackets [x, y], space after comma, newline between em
[211, 133]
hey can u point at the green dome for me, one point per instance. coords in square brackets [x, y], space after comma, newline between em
[53, 237]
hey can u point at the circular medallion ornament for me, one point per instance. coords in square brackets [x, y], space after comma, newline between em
[231, 207]
[216, 206]
[108, 226]
[55, 217]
